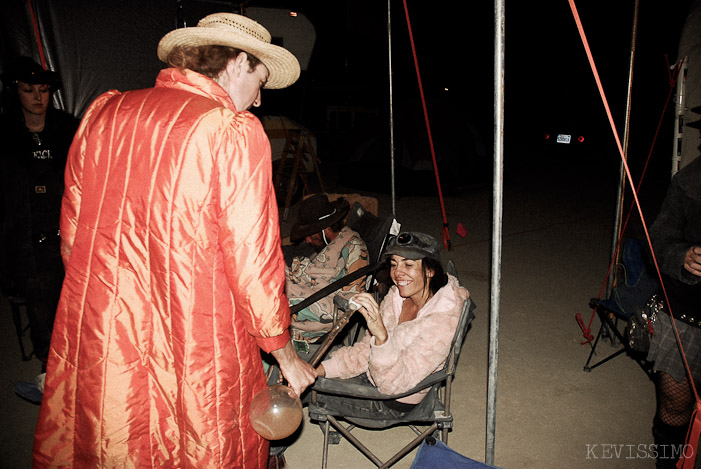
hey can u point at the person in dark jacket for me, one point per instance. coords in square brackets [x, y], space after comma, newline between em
[676, 240]
[35, 141]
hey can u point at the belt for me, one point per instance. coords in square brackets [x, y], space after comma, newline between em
[685, 318]
[685, 300]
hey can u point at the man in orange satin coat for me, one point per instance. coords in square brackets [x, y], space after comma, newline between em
[174, 271]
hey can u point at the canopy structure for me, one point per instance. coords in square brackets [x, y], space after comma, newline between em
[97, 46]
[688, 93]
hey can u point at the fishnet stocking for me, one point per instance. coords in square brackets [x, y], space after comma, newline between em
[675, 401]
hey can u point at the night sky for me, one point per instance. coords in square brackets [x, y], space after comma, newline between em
[547, 74]
[546, 70]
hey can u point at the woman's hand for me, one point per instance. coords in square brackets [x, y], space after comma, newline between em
[371, 312]
[692, 261]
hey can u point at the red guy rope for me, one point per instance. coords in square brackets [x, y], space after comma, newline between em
[37, 34]
[446, 231]
[695, 429]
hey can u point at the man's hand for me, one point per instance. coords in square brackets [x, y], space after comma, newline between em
[692, 261]
[298, 373]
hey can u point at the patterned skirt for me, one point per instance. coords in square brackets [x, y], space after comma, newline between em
[665, 351]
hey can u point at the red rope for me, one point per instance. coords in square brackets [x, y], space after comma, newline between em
[446, 231]
[695, 427]
[37, 35]
[673, 76]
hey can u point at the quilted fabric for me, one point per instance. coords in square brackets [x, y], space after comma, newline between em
[174, 279]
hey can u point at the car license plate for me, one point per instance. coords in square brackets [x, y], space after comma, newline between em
[562, 138]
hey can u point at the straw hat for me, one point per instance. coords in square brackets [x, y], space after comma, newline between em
[240, 32]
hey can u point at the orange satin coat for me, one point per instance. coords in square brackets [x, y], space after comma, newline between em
[174, 279]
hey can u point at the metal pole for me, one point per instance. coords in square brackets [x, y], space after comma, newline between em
[679, 105]
[391, 109]
[496, 227]
[622, 175]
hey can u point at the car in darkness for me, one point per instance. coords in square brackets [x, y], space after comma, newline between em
[563, 138]
[554, 136]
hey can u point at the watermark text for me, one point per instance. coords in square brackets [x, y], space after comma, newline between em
[639, 451]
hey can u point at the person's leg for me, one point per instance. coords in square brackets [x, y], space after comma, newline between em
[42, 294]
[40, 322]
[675, 404]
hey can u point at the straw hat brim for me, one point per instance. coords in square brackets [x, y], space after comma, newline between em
[282, 65]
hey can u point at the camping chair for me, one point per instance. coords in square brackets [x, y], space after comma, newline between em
[634, 287]
[433, 412]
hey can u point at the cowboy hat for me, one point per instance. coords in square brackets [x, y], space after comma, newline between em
[316, 213]
[26, 70]
[695, 124]
[239, 32]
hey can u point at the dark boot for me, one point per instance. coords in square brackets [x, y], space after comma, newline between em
[669, 443]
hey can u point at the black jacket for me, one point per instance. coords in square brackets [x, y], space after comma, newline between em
[676, 229]
[31, 184]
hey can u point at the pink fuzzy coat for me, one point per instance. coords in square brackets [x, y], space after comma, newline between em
[414, 349]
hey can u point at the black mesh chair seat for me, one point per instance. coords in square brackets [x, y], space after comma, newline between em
[341, 397]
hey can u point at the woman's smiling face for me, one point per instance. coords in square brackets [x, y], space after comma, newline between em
[408, 276]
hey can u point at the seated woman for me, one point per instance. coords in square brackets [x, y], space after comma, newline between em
[410, 332]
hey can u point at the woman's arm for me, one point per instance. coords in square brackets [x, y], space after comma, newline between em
[417, 348]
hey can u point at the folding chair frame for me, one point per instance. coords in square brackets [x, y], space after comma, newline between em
[440, 419]
[620, 304]
[609, 322]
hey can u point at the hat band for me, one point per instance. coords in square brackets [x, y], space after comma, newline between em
[235, 25]
[327, 216]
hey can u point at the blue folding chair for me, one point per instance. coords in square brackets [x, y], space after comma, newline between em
[434, 453]
[635, 285]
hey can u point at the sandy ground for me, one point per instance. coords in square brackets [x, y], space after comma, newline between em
[550, 413]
